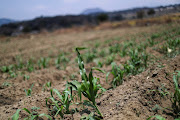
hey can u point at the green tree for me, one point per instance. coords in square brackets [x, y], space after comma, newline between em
[151, 12]
[140, 14]
[102, 17]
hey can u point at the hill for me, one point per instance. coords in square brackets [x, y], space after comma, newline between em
[5, 21]
[88, 17]
[92, 11]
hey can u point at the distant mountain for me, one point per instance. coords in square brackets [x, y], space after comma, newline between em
[92, 11]
[5, 21]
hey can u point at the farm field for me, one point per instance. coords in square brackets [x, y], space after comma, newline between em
[132, 70]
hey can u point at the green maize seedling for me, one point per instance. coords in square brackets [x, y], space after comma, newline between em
[145, 59]
[176, 97]
[137, 62]
[30, 65]
[43, 62]
[154, 36]
[102, 53]
[16, 115]
[29, 91]
[60, 106]
[157, 117]
[170, 48]
[118, 75]
[61, 59]
[19, 64]
[26, 77]
[115, 48]
[32, 115]
[46, 86]
[89, 86]
[35, 116]
[12, 74]
[6, 84]
[89, 56]
[91, 116]
[123, 52]
[110, 59]
[6, 69]
[97, 44]
[151, 42]
[99, 63]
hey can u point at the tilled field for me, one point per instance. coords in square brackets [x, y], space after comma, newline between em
[138, 65]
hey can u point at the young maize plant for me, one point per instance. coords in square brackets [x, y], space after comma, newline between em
[29, 91]
[89, 86]
[30, 65]
[118, 75]
[89, 56]
[62, 59]
[137, 61]
[26, 77]
[6, 69]
[19, 64]
[110, 59]
[16, 115]
[43, 62]
[115, 48]
[32, 115]
[176, 97]
[158, 117]
[61, 106]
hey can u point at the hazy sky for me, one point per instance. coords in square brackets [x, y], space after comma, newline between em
[29, 9]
